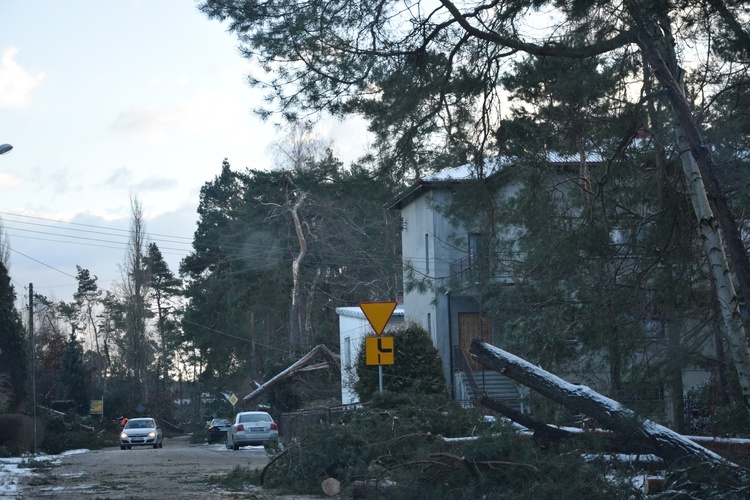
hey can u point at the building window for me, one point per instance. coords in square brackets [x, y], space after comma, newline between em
[475, 245]
[427, 253]
[347, 352]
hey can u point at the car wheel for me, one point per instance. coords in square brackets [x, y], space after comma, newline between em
[227, 445]
[161, 444]
[130, 447]
[235, 446]
[122, 446]
[156, 446]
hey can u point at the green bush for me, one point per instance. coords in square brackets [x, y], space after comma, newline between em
[56, 441]
[704, 415]
[69, 432]
[418, 367]
[8, 450]
[339, 451]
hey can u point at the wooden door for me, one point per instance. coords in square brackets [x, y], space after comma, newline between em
[471, 326]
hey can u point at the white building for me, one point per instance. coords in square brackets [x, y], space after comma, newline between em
[353, 328]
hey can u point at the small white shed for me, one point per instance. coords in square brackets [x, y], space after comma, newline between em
[353, 328]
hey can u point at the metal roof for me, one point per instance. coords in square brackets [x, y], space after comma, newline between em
[491, 167]
[356, 311]
[469, 171]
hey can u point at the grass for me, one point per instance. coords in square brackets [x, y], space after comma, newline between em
[237, 479]
[36, 465]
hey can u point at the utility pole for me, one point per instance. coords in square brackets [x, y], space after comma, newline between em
[33, 361]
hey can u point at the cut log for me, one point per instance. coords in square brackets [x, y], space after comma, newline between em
[645, 434]
[652, 485]
[331, 486]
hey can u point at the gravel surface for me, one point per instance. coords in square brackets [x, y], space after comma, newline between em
[176, 471]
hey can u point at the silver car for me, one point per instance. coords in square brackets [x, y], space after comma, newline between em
[251, 428]
[141, 432]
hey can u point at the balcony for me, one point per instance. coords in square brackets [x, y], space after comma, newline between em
[474, 269]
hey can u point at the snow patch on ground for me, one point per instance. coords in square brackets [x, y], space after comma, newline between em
[13, 469]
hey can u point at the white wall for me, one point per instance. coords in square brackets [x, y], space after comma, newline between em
[353, 328]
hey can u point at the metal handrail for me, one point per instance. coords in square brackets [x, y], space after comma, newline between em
[462, 365]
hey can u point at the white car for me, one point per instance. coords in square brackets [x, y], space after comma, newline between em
[251, 428]
[141, 432]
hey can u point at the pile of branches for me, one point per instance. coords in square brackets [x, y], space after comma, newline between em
[415, 446]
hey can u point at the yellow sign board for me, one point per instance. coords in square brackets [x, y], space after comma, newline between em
[378, 314]
[379, 350]
[96, 407]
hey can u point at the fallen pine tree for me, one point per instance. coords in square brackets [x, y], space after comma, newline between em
[727, 447]
[641, 434]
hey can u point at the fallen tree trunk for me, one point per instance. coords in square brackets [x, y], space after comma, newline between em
[541, 429]
[726, 447]
[642, 433]
[305, 363]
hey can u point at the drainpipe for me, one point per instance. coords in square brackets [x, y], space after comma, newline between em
[450, 346]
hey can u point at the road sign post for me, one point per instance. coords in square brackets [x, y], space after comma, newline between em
[379, 350]
[232, 399]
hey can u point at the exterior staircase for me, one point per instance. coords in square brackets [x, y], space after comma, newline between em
[492, 383]
[469, 384]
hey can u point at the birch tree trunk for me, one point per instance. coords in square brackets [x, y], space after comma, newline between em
[665, 67]
[295, 331]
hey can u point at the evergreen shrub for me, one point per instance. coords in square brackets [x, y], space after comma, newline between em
[417, 368]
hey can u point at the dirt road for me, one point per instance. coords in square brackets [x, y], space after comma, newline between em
[176, 471]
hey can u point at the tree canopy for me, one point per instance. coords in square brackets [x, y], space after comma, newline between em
[431, 79]
[427, 77]
[241, 274]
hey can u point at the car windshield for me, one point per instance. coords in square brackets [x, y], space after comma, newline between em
[222, 422]
[255, 417]
[139, 424]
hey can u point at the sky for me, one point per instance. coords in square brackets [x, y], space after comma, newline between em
[106, 100]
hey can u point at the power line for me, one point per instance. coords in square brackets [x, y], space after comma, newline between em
[119, 247]
[361, 259]
[42, 263]
[128, 231]
[158, 238]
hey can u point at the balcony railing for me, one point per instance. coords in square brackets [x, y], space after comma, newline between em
[473, 269]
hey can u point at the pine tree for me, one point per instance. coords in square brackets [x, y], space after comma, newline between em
[13, 345]
[73, 375]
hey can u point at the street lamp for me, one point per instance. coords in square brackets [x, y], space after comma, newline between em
[32, 312]
[4, 148]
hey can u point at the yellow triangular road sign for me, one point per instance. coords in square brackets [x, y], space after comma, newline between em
[378, 314]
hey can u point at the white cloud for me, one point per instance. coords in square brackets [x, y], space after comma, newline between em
[155, 183]
[151, 124]
[16, 84]
[8, 180]
[206, 110]
[119, 176]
